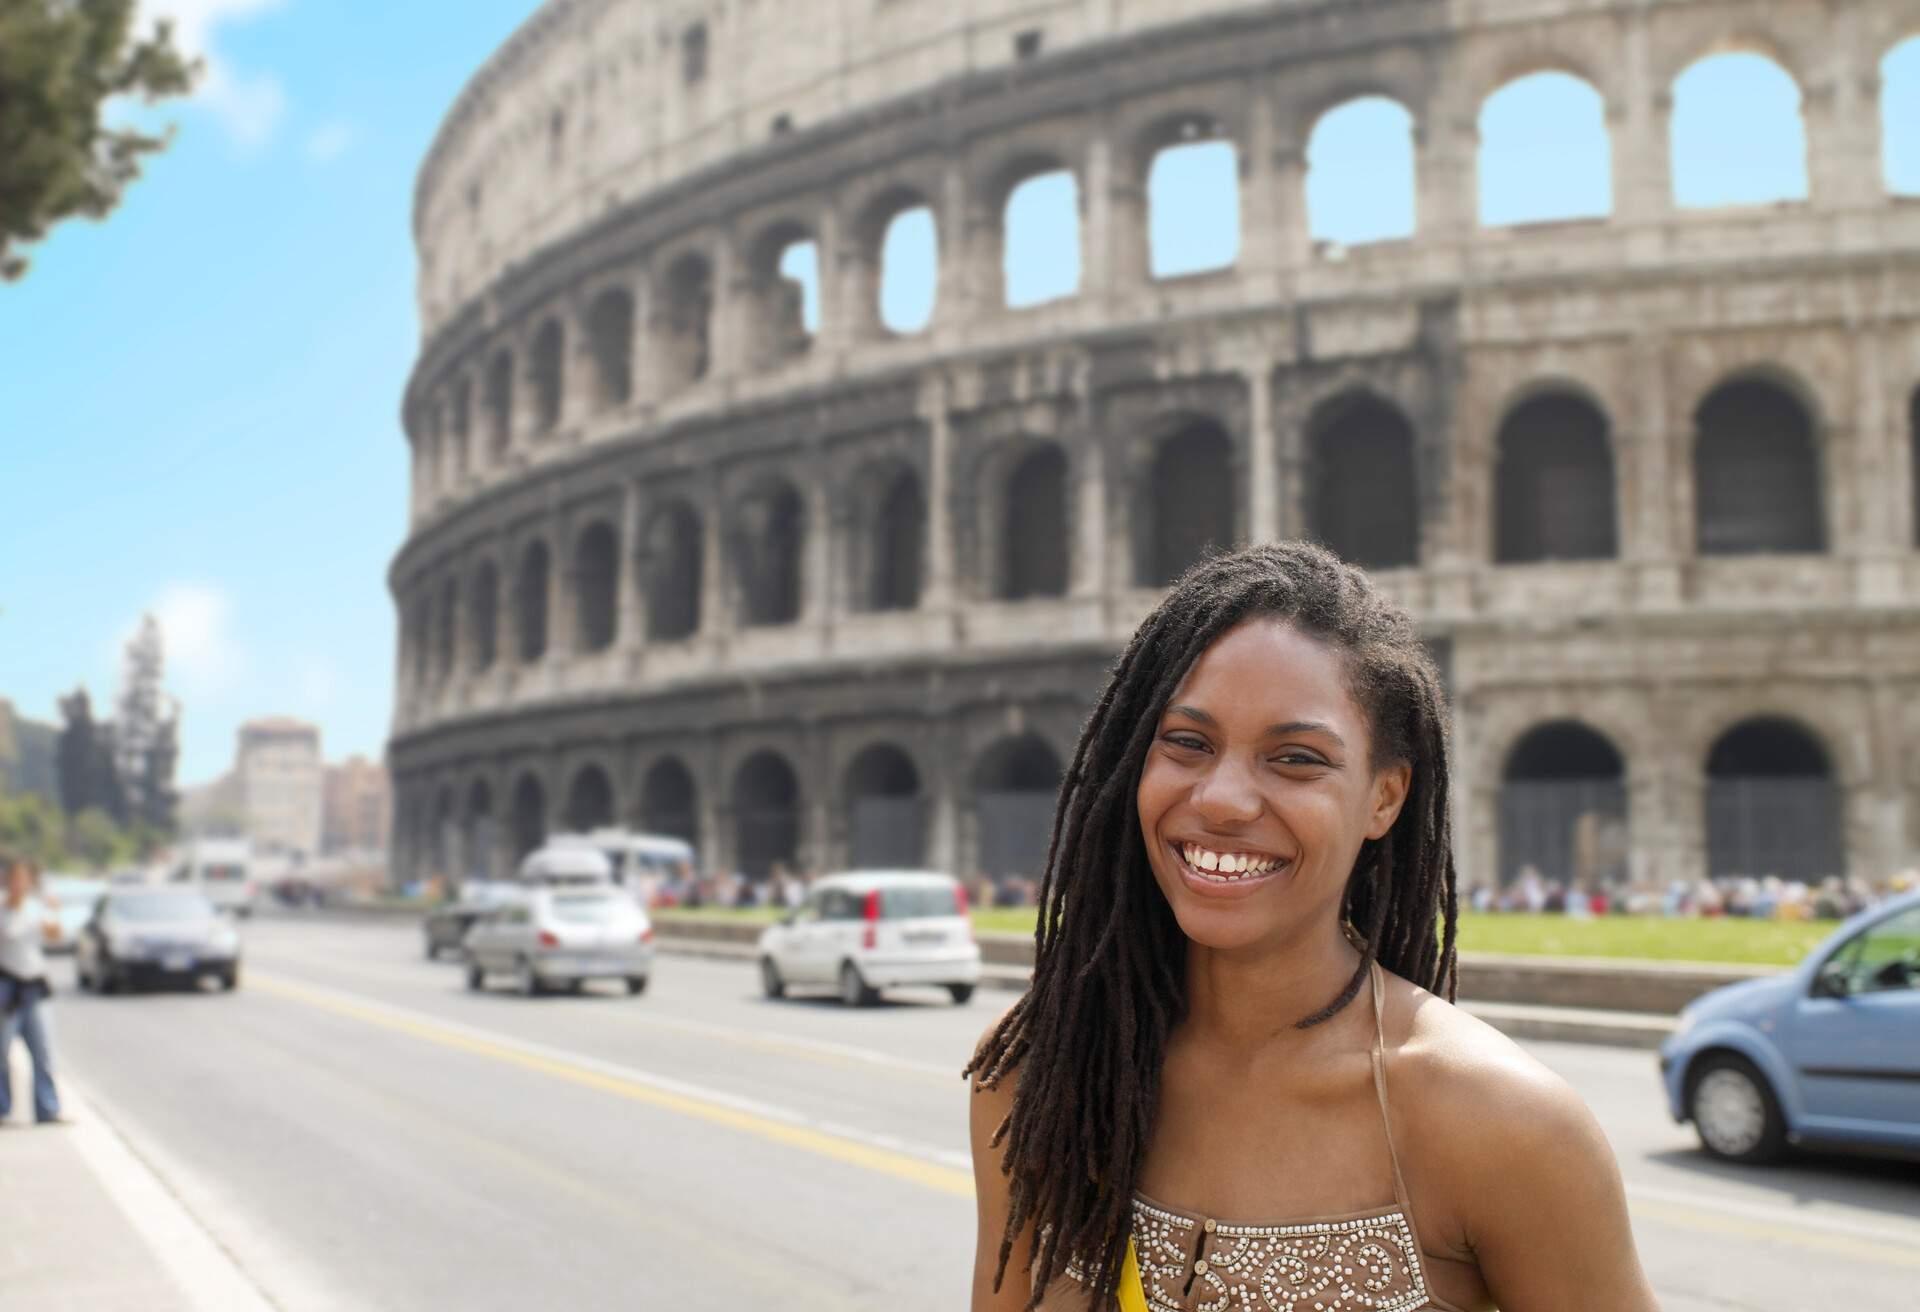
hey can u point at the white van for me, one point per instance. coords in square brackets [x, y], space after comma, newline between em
[637, 862]
[221, 868]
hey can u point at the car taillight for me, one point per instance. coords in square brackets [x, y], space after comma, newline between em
[549, 939]
[960, 908]
[646, 935]
[871, 913]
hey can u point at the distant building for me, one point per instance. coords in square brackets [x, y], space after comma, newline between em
[278, 772]
[356, 807]
[212, 809]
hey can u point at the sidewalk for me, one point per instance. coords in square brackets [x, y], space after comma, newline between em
[86, 1226]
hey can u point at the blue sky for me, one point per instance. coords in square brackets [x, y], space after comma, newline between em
[199, 397]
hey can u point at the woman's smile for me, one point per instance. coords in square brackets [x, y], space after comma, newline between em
[1217, 871]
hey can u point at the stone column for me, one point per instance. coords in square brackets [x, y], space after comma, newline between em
[817, 590]
[1263, 457]
[1087, 558]
[939, 589]
[629, 620]
[1095, 188]
[1653, 457]
[646, 379]
[837, 302]
[727, 346]
[1841, 108]
[1638, 131]
[1445, 171]
[1273, 208]
[716, 609]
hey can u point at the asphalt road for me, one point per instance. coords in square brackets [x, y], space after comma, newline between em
[360, 1132]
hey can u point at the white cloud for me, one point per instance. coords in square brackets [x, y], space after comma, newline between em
[328, 142]
[196, 626]
[251, 104]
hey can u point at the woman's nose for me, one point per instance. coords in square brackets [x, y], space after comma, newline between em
[1226, 794]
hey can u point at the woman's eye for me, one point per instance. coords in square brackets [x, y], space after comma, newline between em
[1186, 741]
[1298, 758]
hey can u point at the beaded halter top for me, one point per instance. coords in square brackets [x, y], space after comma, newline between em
[1360, 1262]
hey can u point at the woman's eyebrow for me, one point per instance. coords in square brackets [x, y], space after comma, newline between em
[1199, 716]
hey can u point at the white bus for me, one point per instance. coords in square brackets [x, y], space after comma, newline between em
[640, 862]
[222, 868]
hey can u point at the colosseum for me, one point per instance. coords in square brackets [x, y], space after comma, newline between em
[810, 584]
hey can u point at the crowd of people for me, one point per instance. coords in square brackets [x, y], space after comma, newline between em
[1767, 897]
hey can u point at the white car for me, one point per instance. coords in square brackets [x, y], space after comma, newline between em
[561, 938]
[870, 930]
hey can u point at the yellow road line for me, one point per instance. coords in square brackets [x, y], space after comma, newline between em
[902, 1166]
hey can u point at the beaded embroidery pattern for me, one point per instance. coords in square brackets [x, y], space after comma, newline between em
[1362, 1264]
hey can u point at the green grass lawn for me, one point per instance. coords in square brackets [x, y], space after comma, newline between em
[1650, 938]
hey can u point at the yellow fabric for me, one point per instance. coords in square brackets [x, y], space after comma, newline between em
[1133, 1294]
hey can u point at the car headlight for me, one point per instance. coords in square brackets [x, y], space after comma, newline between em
[225, 941]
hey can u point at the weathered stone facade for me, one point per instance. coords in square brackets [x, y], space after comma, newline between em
[828, 596]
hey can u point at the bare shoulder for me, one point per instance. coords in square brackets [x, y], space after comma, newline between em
[992, 1093]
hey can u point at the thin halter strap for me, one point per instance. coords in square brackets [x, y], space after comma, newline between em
[1380, 1088]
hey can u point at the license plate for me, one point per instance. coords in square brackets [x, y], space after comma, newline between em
[926, 936]
[176, 961]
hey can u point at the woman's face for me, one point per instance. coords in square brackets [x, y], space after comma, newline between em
[1258, 789]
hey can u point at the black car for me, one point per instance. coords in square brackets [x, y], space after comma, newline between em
[156, 935]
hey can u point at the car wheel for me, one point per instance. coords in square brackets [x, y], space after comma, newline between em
[84, 977]
[853, 990]
[526, 979]
[476, 977]
[770, 980]
[962, 993]
[230, 979]
[1734, 1111]
[636, 985]
[433, 949]
[106, 981]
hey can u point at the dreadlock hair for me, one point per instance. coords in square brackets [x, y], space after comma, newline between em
[1086, 1041]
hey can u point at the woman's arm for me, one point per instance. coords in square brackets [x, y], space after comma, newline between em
[986, 1109]
[1545, 1209]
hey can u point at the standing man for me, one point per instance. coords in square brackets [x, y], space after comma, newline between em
[25, 922]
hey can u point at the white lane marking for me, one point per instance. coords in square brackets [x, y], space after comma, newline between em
[959, 1161]
[1775, 1213]
[706, 1029]
[205, 1271]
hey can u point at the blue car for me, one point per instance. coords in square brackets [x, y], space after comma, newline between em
[1827, 1054]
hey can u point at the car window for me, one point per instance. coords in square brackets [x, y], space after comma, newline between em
[161, 906]
[840, 904]
[1886, 956]
[590, 908]
[909, 903]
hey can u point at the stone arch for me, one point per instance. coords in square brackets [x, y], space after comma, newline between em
[499, 404]
[528, 818]
[669, 800]
[769, 537]
[589, 800]
[546, 372]
[1554, 495]
[446, 642]
[1756, 157]
[442, 834]
[785, 297]
[1186, 504]
[483, 614]
[1362, 482]
[1773, 803]
[1545, 155]
[1026, 502]
[683, 322]
[478, 836]
[766, 814]
[1360, 184]
[898, 226]
[610, 347]
[1016, 783]
[1900, 117]
[673, 560]
[888, 547]
[1035, 201]
[530, 602]
[1756, 471]
[1563, 806]
[1189, 168]
[596, 586]
[886, 813]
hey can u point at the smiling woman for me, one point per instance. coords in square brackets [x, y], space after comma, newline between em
[1185, 1110]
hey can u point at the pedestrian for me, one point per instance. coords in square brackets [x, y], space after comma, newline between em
[26, 921]
[1238, 1049]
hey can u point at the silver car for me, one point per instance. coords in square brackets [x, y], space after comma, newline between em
[156, 935]
[561, 938]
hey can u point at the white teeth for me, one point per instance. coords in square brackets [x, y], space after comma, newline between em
[1229, 866]
[1209, 860]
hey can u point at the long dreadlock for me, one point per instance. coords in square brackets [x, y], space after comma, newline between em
[1086, 1041]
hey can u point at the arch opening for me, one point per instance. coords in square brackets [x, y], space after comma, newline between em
[886, 814]
[769, 537]
[500, 404]
[610, 345]
[1737, 136]
[1553, 483]
[1363, 502]
[1193, 200]
[1188, 506]
[1360, 173]
[785, 290]
[596, 585]
[1040, 238]
[908, 260]
[673, 567]
[1016, 782]
[1773, 805]
[668, 800]
[536, 568]
[546, 369]
[1563, 808]
[1900, 118]
[1545, 156]
[589, 800]
[766, 814]
[484, 615]
[1756, 474]
[1033, 527]
[529, 818]
[888, 560]
[684, 322]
